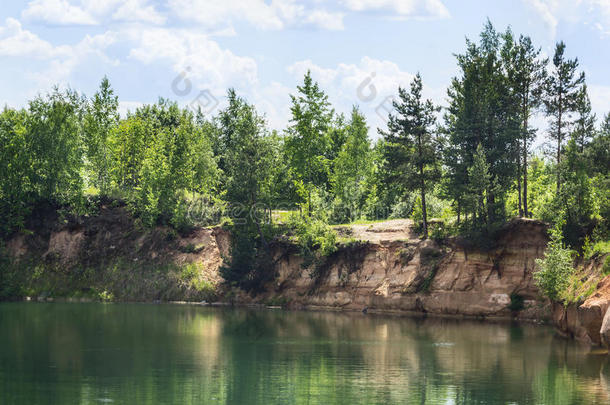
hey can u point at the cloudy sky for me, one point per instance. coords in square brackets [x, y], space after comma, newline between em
[193, 50]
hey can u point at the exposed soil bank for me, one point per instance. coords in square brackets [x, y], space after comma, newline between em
[395, 274]
[108, 256]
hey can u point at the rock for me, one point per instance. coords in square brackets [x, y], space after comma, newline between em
[604, 332]
[394, 274]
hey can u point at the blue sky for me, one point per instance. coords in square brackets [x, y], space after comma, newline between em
[359, 50]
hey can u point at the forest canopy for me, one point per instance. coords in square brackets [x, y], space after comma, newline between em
[461, 170]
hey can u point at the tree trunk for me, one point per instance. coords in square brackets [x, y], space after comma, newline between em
[309, 202]
[558, 162]
[519, 182]
[423, 204]
[525, 210]
[559, 116]
[490, 208]
[422, 184]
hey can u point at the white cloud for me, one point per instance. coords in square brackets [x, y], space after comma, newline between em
[274, 101]
[202, 61]
[600, 99]
[57, 12]
[385, 77]
[91, 12]
[138, 10]
[546, 10]
[273, 15]
[402, 8]
[61, 60]
[371, 84]
[593, 12]
[15, 41]
[326, 20]
[128, 106]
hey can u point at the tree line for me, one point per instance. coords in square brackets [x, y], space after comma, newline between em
[470, 165]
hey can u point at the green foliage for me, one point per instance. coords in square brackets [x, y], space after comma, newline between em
[483, 110]
[403, 208]
[430, 259]
[171, 167]
[562, 96]
[478, 198]
[435, 206]
[54, 130]
[15, 170]
[352, 165]
[439, 232]
[315, 238]
[556, 267]
[160, 156]
[308, 143]
[41, 157]
[411, 149]
[101, 117]
[526, 75]
[248, 174]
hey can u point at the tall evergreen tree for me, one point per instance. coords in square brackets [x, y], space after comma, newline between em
[562, 92]
[479, 185]
[584, 125]
[247, 172]
[412, 148]
[526, 74]
[307, 141]
[482, 110]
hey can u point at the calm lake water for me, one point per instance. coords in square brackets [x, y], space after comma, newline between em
[170, 354]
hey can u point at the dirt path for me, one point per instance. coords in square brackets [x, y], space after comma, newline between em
[394, 229]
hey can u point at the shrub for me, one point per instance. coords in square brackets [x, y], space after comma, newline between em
[556, 267]
[402, 209]
[315, 238]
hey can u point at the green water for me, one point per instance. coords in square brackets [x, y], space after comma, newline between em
[169, 354]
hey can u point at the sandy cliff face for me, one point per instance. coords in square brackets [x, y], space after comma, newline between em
[585, 322]
[388, 269]
[413, 275]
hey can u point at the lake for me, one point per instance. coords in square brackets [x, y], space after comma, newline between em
[60, 353]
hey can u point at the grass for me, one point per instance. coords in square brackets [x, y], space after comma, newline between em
[599, 248]
[363, 221]
[282, 216]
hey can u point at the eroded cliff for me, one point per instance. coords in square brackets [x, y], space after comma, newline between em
[383, 268]
[397, 274]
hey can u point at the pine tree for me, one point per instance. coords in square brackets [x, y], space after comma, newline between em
[247, 176]
[584, 125]
[307, 141]
[482, 110]
[412, 148]
[526, 73]
[479, 185]
[562, 92]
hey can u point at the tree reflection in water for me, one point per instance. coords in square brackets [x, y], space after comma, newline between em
[138, 353]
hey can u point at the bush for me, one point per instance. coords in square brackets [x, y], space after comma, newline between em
[315, 238]
[556, 267]
[438, 232]
[402, 209]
